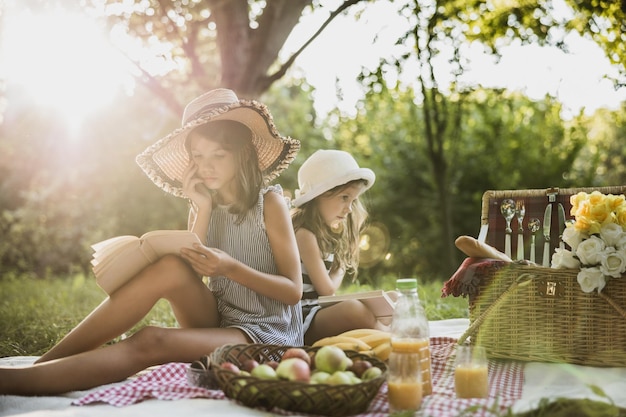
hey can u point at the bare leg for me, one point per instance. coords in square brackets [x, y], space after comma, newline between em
[150, 346]
[170, 278]
[340, 317]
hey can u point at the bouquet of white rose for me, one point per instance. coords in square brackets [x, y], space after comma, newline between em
[597, 239]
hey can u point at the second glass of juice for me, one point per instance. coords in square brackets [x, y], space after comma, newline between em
[471, 372]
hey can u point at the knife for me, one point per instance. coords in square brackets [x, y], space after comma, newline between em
[561, 225]
[547, 223]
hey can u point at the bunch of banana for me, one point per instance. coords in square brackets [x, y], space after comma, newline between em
[372, 342]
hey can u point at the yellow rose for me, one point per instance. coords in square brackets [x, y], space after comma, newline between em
[615, 201]
[599, 207]
[620, 215]
[583, 223]
[583, 209]
[575, 200]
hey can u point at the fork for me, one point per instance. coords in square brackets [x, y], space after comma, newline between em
[520, 212]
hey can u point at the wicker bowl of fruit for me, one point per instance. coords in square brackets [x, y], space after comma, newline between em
[322, 380]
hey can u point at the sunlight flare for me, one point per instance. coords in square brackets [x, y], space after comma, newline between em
[62, 60]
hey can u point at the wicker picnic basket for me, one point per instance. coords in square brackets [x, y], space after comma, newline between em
[533, 313]
[318, 399]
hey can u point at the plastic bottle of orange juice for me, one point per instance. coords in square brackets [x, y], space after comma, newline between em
[409, 376]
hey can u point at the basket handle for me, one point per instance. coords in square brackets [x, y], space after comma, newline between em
[613, 304]
[522, 280]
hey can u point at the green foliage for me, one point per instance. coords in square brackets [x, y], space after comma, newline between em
[568, 407]
[60, 193]
[603, 159]
[505, 141]
[435, 150]
[498, 23]
[292, 108]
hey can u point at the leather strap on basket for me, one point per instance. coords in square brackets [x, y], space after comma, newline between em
[521, 281]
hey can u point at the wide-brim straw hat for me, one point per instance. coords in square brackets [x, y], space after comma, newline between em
[325, 170]
[165, 161]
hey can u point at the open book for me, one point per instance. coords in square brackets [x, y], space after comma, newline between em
[118, 259]
[378, 301]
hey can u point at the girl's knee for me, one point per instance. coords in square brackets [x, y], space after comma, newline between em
[358, 314]
[147, 343]
[171, 263]
[171, 269]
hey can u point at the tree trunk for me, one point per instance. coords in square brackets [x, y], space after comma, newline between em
[247, 53]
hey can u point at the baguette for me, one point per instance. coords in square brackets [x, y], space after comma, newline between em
[477, 249]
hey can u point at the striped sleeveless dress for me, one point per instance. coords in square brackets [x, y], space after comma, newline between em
[310, 304]
[264, 319]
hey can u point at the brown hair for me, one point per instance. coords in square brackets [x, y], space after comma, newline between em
[237, 138]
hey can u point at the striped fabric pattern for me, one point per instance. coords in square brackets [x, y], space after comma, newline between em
[264, 319]
[309, 295]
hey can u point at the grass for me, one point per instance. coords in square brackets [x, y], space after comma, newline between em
[35, 314]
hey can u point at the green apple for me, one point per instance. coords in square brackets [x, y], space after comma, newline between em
[264, 371]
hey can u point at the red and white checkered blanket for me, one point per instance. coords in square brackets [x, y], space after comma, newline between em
[169, 382]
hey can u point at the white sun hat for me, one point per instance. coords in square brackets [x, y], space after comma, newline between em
[325, 170]
[165, 161]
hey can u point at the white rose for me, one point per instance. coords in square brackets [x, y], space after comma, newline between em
[613, 263]
[589, 250]
[611, 233]
[590, 279]
[621, 244]
[563, 258]
[573, 236]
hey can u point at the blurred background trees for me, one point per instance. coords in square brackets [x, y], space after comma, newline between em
[435, 142]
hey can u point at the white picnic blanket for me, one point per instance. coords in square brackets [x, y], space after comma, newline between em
[541, 381]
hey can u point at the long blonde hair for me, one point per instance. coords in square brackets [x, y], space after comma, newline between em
[344, 242]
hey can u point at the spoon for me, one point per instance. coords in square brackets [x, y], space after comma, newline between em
[534, 225]
[507, 208]
[520, 211]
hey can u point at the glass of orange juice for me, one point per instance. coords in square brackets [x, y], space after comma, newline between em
[470, 372]
[404, 381]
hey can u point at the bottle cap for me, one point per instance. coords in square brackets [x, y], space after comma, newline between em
[406, 283]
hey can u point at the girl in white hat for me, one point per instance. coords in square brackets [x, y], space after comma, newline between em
[221, 160]
[328, 218]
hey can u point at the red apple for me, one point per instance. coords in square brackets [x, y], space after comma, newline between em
[248, 365]
[359, 367]
[295, 352]
[294, 369]
[229, 366]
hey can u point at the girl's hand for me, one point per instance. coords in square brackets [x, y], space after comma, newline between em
[194, 188]
[207, 261]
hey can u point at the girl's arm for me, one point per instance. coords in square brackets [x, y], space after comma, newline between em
[286, 286]
[310, 253]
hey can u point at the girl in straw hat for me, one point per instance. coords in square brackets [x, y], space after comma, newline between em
[328, 218]
[221, 160]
